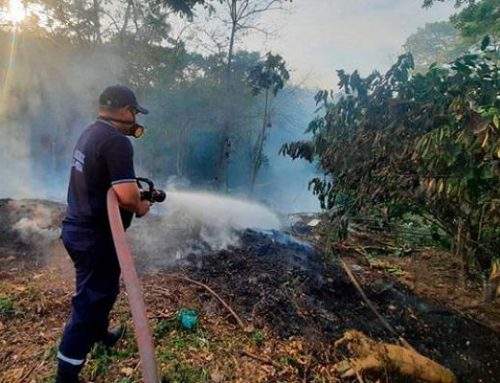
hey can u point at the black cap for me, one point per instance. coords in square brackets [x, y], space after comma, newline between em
[117, 96]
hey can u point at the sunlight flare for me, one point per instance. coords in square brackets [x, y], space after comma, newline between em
[6, 86]
[16, 12]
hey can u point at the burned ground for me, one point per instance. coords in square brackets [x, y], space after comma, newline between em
[315, 299]
[295, 299]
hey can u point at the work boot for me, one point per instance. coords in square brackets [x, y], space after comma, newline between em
[63, 377]
[113, 336]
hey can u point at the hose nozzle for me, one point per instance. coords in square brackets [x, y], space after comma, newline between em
[151, 194]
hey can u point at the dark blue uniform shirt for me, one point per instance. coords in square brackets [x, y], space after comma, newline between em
[102, 157]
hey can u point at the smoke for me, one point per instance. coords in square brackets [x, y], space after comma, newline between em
[31, 228]
[48, 95]
[34, 231]
[195, 223]
[283, 183]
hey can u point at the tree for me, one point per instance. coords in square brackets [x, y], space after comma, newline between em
[89, 23]
[442, 42]
[269, 77]
[428, 144]
[186, 7]
[458, 3]
[437, 42]
[77, 49]
[479, 19]
[476, 19]
[81, 46]
[241, 15]
[238, 16]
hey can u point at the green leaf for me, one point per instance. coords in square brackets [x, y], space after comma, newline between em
[485, 42]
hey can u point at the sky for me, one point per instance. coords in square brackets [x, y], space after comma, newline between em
[317, 37]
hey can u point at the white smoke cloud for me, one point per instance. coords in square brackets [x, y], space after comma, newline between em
[48, 95]
[36, 223]
[32, 231]
[193, 223]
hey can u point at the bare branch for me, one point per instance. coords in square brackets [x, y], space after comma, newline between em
[268, 7]
[113, 21]
[255, 28]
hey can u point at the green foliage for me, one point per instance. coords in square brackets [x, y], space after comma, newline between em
[50, 353]
[173, 346]
[100, 360]
[427, 142]
[479, 19]
[270, 74]
[267, 76]
[164, 327]
[6, 306]
[257, 338]
[442, 42]
[438, 42]
[186, 7]
[182, 373]
[458, 3]
[81, 46]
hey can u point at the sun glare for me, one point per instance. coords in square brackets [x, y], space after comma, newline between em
[16, 12]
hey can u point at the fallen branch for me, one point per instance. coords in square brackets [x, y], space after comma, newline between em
[261, 359]
[26, 375]
[469, 317]
[372, 306]
[162, 316]
[371, 357]
[4, 357]
[166, 293]
[238, 319]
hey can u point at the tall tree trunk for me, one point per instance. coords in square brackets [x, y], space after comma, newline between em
[259, 146]
[224, 140]
[234, 20]
[181, 151]
[135, 17]
[126, 18]
[97, 23]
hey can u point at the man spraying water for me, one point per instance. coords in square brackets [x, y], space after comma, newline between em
[102, 159]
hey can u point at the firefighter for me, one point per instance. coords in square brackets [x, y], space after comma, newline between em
[102, 158]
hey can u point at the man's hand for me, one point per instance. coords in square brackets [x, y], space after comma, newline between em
[144, 207]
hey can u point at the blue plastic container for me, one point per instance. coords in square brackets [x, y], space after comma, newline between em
[188, 318]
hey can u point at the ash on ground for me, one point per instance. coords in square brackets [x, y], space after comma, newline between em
[278, 282]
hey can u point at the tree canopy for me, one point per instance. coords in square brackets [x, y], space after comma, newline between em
[426, 143]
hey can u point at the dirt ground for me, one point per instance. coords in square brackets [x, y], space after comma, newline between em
[430, 273]
[294, 301]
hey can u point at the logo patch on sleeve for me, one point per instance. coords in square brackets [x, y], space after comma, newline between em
[78, 160]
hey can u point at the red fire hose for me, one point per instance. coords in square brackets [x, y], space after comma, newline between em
[134, 291]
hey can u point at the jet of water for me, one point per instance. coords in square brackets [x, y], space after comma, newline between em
[191, 222]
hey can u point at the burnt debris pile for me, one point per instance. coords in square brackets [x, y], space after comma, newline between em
[277, 282]
[29, 228]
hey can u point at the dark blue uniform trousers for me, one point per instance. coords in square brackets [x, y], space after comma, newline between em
[97, 286]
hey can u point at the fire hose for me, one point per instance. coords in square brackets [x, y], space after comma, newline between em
[133, 286]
